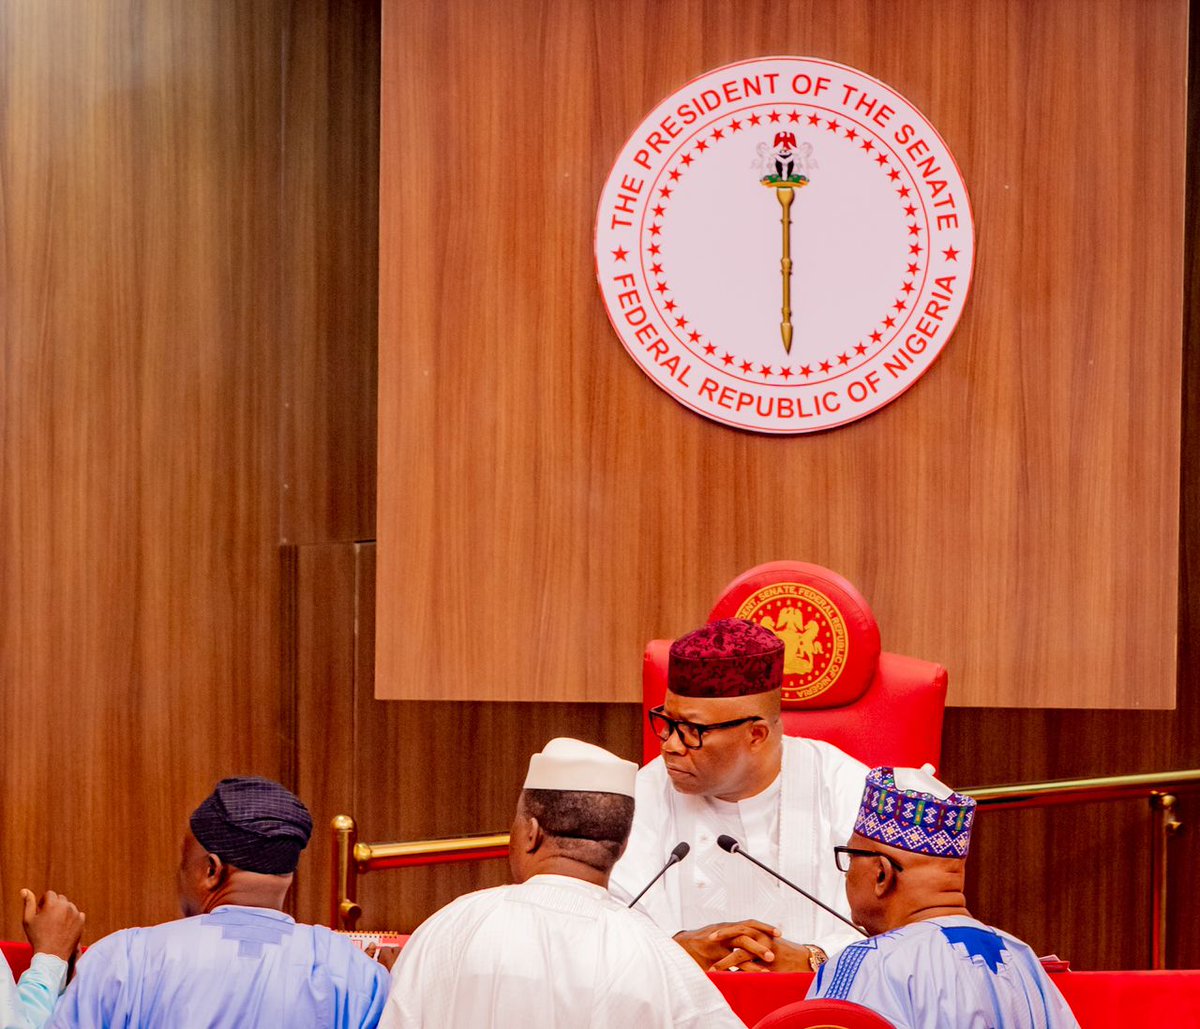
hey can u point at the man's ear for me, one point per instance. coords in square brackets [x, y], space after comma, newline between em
[534, 836]
[760, 732]
[885, 877]
[215, 871]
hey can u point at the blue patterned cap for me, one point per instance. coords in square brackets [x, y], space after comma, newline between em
[934, 820]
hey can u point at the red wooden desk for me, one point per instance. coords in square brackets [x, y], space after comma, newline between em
[1099, 999]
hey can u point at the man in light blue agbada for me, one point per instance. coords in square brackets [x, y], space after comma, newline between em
[928, 963]
[235, 960]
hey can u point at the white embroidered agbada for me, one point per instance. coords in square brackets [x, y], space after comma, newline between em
[947, 973]
[792, 826]
[550, 953]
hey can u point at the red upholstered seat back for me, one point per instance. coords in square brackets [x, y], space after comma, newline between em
[18, 955]
[823, 1014]
[839, 686]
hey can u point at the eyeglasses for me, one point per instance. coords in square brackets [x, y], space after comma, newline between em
[691, 734]
[842, 856]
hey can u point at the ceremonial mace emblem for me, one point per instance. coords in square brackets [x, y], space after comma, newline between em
[783, 176]
[874, 266]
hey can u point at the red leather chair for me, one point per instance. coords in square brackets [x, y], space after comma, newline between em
[838, 685]
[823, 1014]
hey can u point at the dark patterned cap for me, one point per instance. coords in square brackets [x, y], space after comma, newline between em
[253, 824]
[729, 658]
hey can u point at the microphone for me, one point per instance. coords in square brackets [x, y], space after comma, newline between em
[677, 855]
[731, 846]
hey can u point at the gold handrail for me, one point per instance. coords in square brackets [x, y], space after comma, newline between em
[351, 858]
[369, 852]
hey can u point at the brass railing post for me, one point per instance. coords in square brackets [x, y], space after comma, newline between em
[346, 912]
[1164, 826]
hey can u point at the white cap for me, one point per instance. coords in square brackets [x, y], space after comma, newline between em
[567, 764]
[921, 780]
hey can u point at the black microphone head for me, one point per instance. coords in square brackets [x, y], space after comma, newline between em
[729, 844]
[680, 851]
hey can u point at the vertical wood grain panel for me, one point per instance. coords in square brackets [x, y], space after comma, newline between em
[1014, 516]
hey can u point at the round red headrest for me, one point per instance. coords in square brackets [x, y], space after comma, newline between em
[830, 635]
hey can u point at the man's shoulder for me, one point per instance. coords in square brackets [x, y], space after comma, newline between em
[820, 750]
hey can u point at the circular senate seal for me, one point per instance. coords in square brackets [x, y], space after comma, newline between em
[816, 644]
[784, 245]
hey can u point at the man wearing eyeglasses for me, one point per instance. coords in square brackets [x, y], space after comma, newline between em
[726, 768]
[928, 962]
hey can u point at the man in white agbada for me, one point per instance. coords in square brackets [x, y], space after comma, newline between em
[554, 950]
[727, 769]
[929, 964]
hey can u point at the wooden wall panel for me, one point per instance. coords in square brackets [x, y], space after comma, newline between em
[187, 193]
[1014, 516]
[329, 260]
[408, 770]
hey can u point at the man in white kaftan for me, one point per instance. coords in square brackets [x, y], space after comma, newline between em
[928, 964]
[727, 769]
[555, 950]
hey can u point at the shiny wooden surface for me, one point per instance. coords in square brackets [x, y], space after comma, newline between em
[1014, 516]
[185, 210]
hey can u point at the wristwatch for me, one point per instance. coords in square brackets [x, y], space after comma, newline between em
[816, 956]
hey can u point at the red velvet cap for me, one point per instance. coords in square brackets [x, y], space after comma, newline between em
[728, 658]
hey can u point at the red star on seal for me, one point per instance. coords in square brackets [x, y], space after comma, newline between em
[655, 230]
[876, 336]
[718, 134]
[659, 211]
[893, 175]
[674, 175]
[773, 117]
[832, 126]
[694, 336]
[656, 269]
[747, 366]
[794, 116]
[814, 119]
[915, 248]
[681, 322]
[735, 126]
[665, 192]
[785, 372]
[843, 359]
[824, 366]
[754, 119]
[881, 159]
[661, 287]
[709, 348]
[654, 248]
[868, 145]
[889, 322]
[899, 305]
[907, 287]
[727, 359]
[620, 254]
[806, 370]
[860, 349]
[701, 145]
[764, 370]
[670, 305]
[951, 254]
[687, 159]
[913, 269]
[914, 230]
[852, 133]
[910, 211]
[903, 191]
